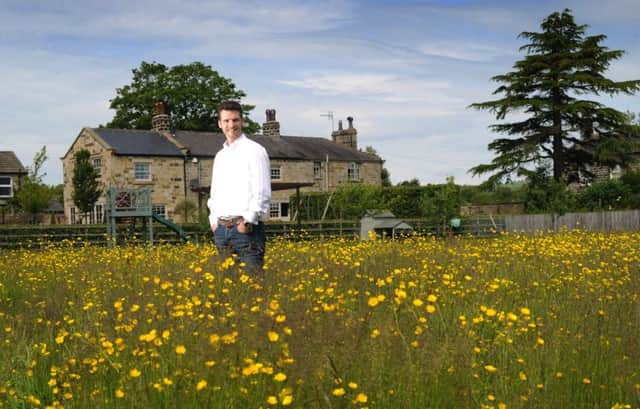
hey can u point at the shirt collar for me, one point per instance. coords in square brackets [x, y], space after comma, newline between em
[239, 139]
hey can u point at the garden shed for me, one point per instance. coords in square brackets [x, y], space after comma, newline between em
[383, 223]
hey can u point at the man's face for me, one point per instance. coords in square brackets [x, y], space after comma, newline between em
[231, 124]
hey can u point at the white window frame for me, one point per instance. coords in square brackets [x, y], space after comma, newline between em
[317, 169]
[98, 211]
[276, 173]
[159, 209]
[97, 164]
[5, 185]
[353, 172]
[275, 210]
[138, 175]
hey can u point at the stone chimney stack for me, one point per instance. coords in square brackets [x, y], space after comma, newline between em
[161, 122]
[347, 137]
[271, 127]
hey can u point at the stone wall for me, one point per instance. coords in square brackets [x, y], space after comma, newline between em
[302, 172]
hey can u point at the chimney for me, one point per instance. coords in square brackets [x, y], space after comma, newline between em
[346, 137]
[271, 127]
[160, 121]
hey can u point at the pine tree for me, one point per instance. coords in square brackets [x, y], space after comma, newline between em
[86, 188]
[562, 128]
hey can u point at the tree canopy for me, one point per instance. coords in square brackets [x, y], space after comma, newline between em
[560, 126]
[86, 188]
[191, 92]
[33, 196]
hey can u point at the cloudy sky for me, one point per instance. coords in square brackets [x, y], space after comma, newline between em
[405, 70]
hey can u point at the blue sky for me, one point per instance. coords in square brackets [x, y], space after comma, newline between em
[405, 70]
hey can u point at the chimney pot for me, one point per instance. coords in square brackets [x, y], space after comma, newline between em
[350, 119]
[340, 125]
[160, 108]
[271, 127]
[271, 115]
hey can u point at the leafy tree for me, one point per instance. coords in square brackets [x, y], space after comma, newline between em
[33, 196]
[561, 65]
[444, 204]
[543, 193]
[86, 187]
[187, 209]
[354, 200]
[607, 195]
[412, 182]
[192, 92]
[57, 192]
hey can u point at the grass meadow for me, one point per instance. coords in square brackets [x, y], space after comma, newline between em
[542, 321]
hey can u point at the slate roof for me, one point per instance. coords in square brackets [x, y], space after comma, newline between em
[283, 147]
[137, 143]
[152, 143]
[9, 163]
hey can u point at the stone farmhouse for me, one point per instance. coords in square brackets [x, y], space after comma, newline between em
[177, 164]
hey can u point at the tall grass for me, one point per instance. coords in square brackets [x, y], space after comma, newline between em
[546, 321]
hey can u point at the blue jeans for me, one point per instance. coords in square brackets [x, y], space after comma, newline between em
[249, 247]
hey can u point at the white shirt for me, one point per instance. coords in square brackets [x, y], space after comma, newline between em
[240, 182]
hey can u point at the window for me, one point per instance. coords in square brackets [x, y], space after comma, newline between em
[142, 171]
[97, 164]
[317, 169]
[6, 186]
[159, 210]
[278, 210]
[353, 172]
[284, 209]
[274, 210]
[275, 172]
[99, 213]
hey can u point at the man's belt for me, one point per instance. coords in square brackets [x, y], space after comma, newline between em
[230, 221]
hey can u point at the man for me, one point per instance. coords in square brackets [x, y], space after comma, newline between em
[240, 192]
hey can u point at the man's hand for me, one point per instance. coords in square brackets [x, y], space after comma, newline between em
[214, 227]
[244, 228]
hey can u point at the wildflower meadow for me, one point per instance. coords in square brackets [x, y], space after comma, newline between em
[516, 321]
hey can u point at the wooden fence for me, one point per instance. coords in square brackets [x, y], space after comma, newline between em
[594, 221]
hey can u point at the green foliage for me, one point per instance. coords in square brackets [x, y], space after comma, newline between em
[607, 195]
[57, 192]
[187, 209]
[545, 194]
[33, 196]
[498, 193]
[561, 65]
[435, 202]
[86, 188]
[192, 93]
[411, 182]
[444, 204]
[353, 200]
[405, 201]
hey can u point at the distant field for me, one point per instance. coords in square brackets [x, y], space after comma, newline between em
[546, 321]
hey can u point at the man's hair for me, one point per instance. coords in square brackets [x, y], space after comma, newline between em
[230, 106]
